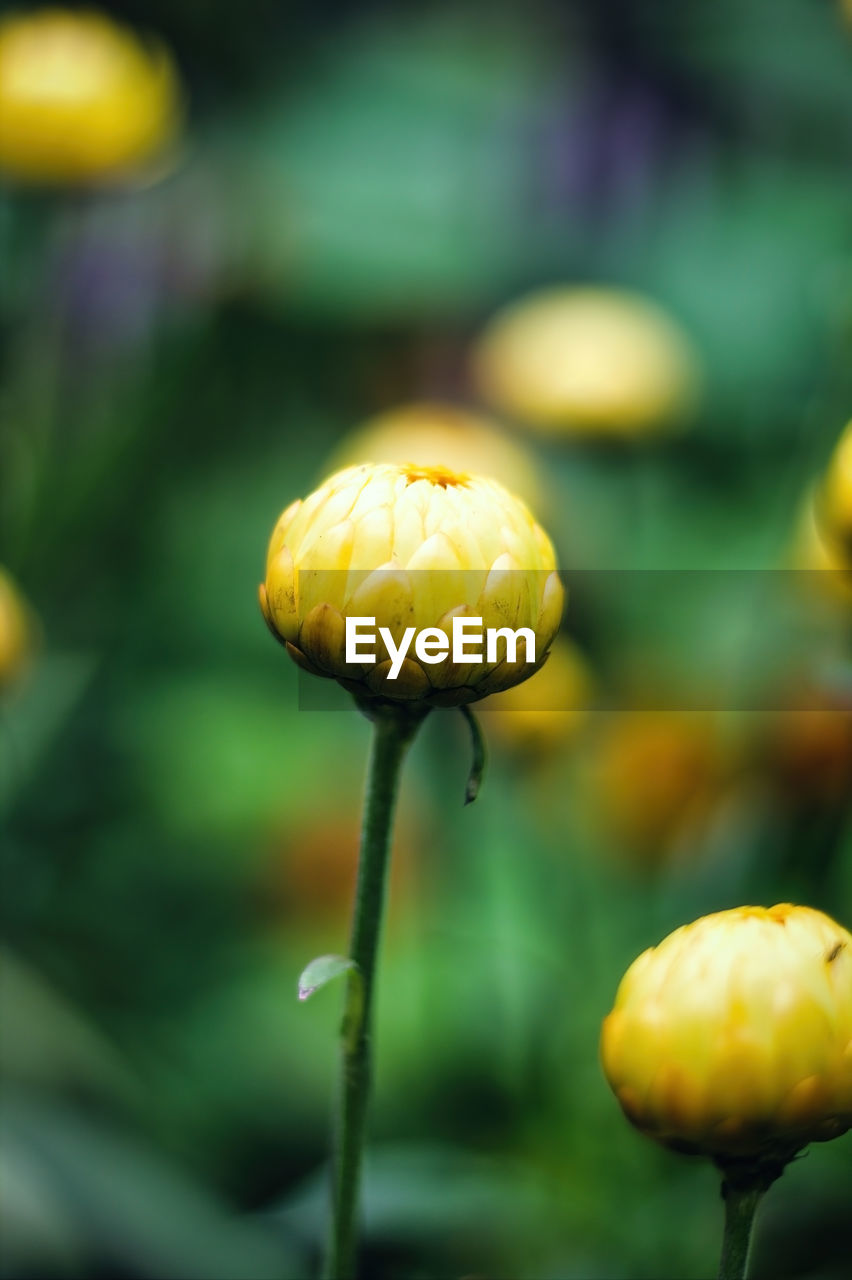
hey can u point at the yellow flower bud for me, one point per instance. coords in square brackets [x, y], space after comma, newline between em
[733, 1037]
[81, 98]
[442, 435]
[588, 361]
[834, 504]
[17, 631]
[413, 547]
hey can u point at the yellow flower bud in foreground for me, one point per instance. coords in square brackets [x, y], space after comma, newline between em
[442, 435]
[834, 504]
[413, 547]
[17, 631]
[733, 1037]
[81, 99]
[593, 361]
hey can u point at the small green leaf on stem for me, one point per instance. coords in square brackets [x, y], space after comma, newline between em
[321, 971]
[477, 768]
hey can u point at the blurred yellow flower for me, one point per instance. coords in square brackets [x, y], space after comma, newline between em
[651, 775]
[309, 879]
[834, 502]
[548, 710]
[418, 549]
[81, 98]
[442, 435]
[815, 553]
[593, 361]
[17, 631]
[807, 753]
[733, 1037]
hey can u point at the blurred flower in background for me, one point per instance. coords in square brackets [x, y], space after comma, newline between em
[834, 501]
[814, 551]
[823, 538]
[443, 435]
[18, 632]
[546, 712]
[587, 361]
[808, 752]
[82, 99]
[655, 776]
[309, 880]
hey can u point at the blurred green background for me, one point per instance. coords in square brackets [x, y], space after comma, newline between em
[358, 189]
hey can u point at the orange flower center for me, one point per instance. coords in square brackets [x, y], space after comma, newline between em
[435, 475]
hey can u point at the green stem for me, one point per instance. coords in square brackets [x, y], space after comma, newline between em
[740, 1207]
[393, 730]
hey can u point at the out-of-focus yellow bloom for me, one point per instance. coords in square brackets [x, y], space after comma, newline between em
[834, 503]
[17, 632]
[548, 710]
[442, 435]
[807, 753]
[590, 361]
[81, 99]
[310, 878]
[733, 1037]
[815, 553]
[652, 774]
[411, 547]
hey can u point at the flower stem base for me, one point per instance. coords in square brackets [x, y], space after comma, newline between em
[744, 1184]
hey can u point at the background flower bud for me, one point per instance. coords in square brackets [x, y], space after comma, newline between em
[18, 631]
[446, 436]
[412, 547]
[733, 1037]
[549, 711]
[818, 556]
[589, 361]
[653, 776]
[81, 99]
[835, 499]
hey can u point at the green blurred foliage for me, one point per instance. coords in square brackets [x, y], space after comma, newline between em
[359, 188]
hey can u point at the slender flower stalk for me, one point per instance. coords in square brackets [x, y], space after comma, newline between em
[393, 730]
[740, 1208]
